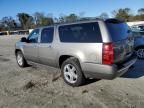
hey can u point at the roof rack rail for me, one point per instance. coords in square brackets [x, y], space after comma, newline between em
[89, 18]
[114, 20]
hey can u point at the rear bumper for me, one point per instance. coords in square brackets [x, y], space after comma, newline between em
[101, 71]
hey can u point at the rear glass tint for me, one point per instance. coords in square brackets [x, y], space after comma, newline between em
[118, 31]
[82, 33]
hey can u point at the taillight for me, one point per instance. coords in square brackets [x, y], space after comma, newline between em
[107, 53]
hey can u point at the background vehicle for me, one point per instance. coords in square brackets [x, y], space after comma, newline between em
[138, 31]
[84, 49]
[139, 46]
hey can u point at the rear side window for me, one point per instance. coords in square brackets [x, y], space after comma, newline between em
[82, 33]
[47, 35]
[118, 31]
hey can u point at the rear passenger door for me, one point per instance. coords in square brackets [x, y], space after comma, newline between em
[47, 53]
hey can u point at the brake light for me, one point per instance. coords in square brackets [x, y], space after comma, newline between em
[107, 53]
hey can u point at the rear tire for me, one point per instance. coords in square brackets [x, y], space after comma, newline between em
[20, 59]
[72, 73]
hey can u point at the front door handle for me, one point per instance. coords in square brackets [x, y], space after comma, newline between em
[35, 46]
[45, 46]
[49, 46]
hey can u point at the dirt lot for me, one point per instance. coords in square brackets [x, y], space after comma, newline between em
[41, 87]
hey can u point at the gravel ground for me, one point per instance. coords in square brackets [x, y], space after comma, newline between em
[42, 87]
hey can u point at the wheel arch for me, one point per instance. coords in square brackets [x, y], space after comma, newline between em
[62, 58]
[16, 50]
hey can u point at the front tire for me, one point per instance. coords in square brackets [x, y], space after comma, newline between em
[72, 73]
[20, 59]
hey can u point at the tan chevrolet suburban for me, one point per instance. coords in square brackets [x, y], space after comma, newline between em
[84, 49]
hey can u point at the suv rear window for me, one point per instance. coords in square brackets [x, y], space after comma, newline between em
[82, 33]
[118, 30]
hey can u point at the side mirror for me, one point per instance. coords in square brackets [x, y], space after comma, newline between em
[23, 39]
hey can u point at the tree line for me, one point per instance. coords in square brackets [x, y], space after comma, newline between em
[38, 19]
